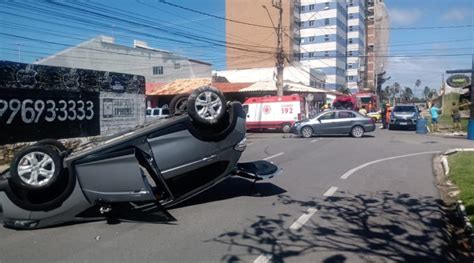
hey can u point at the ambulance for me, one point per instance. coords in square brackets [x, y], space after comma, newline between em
[273, 112]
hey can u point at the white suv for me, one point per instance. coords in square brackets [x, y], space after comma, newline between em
[158, 113]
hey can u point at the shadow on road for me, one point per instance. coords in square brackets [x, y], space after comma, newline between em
[379, 227]
[231, 188]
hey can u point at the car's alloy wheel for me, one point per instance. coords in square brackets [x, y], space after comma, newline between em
[35, 167]
[206, 105]
[307, 132]
[357, 131]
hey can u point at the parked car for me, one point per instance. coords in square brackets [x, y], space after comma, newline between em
[376, 115]
[157, 113]
[335, 122]
[163, 163]
[404, 115]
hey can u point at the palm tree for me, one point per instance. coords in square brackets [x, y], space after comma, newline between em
[417, 85]
[408, 94]
[427, 93]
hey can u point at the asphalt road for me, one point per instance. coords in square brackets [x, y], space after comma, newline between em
[385, 208]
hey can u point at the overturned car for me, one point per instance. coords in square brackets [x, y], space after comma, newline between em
[164, 162]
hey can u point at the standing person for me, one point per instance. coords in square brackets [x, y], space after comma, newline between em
[456, 115]
[363, 111]
[383, 113]
[434, 111]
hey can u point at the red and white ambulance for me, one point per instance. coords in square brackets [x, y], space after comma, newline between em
[273, 112]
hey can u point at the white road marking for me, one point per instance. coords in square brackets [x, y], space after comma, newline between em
[330, 191]
[249, 143]
[303, 218]
[353, 170]
[263, 258]
[315, 140]
[273, 156]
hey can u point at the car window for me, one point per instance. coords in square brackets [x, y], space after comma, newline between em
[327, 116]
[346, 115]
[404, 109]
[165, 111]
[156, 112]
[148, 112]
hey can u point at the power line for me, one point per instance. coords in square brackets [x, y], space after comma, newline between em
[424, 27]
[214, 16]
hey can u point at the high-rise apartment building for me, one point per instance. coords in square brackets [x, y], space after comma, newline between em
[377, 27]
[326, 35]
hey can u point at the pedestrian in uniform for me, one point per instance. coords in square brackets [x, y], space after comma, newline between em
[456, 115]
[434, 111]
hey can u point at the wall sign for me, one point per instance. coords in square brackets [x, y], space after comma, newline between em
[458, 81]
[38, 102]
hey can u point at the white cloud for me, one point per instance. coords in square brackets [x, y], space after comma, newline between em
[406, 70]
[404, 17]
[456, 14]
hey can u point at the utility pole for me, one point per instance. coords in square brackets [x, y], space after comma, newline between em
[280, 53]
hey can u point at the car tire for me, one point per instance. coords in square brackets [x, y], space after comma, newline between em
[307, 132]
[54, 144]
[26, 169]
[178, 104]
[286, 127]
[206, 105]
[357, 131]
[390, 127]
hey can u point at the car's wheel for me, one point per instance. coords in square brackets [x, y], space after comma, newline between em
[286, 127]
[35, 167]
[307, 132]
[357, 131]
[54, 144]
[390, 127]
[178, 104]
[206, 105]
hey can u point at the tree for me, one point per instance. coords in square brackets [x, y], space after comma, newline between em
[407, 94]
[344, 90]
[427, 93]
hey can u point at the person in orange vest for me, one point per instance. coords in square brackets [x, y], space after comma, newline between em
[387, 115]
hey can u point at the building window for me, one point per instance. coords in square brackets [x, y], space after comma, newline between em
[311, 23]
[177, 66]
[301, 24]
[350, 77]
[158, 70]
[326, 21]
[349, 65]
[350, 53]
[351, 28]
[311, 54]
[326, 5]
[351, 16]
[311, 7]
[326, 37]
[351, 3]
[326, 53]
[350, 41]
[301, 9]
[311, 39]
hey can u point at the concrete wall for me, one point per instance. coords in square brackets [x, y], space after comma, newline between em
[259, 43]
[103, 54]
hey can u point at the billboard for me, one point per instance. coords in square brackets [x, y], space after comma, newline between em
[38, 101]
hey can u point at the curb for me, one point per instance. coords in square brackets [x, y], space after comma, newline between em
[460, 208]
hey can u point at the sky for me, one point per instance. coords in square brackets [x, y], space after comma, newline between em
[32, 29]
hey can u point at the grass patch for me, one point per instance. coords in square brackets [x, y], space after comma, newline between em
[446, 120]
[461, 172]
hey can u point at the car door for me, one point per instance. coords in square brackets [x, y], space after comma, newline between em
[344, 122]
[325, 123]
